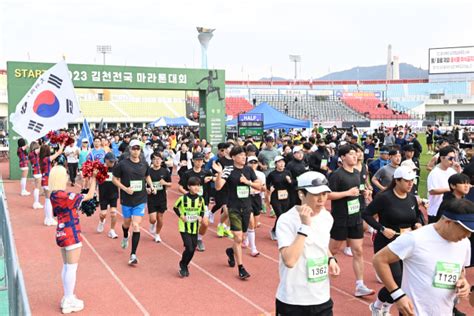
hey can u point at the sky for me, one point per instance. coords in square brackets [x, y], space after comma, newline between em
[253, 38]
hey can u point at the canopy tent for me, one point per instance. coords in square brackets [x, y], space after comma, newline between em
[274, 119]
[169, 121]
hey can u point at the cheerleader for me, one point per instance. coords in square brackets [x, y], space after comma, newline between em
[46, 159]
[34, 159]
[68, 232]
[23, 159]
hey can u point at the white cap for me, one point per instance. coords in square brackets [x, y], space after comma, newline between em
[134, 142]
[252, 158]
[409, 163]
[342, 143]
[207, 150]
[404, 172]
[85, 140]
[297, 148]
[313, 182]
[332, 145]
[278, 158]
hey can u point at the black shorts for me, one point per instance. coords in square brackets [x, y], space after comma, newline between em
[239, 219]
[256, 204]
[347, 232]
[324, 309]
[104, 202]
[159, 207]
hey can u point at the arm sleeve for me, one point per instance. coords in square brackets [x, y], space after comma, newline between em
[372, 209]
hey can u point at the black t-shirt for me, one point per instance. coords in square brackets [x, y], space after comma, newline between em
[277, 179]
[157, 145]
[123, 147]
[156, 176]
[238, 193]
[133, 175]
[319, 159]
[346, 211]
[393, 212]
[296, 168]
[363, 178]
[183, 181]
[224, 162]
[107, 190]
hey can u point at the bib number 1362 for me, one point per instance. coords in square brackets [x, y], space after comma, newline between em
[317, 269]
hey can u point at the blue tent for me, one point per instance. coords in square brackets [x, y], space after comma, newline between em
[170, 121]
[274, 119]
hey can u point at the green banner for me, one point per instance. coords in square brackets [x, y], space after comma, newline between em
[209, 83]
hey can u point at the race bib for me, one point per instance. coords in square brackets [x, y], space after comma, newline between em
[191, 218]
[366, 151]
[446, 275]
[317, 269]
[282, 194]
[271, 164]
[158, 186]
[110, 176]
[353, 206]
[324, 163]
[362, 187]
[243, 191]
[136, 185]
[201, 190]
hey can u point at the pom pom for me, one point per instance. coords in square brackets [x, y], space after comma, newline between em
[55, 138]
[88, 170]
[88, 207]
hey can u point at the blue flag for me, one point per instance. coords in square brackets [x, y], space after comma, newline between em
[85, 133]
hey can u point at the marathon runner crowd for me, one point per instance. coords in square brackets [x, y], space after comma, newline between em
[371, 181]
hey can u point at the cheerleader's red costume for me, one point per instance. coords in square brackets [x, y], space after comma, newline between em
[65, 206]
[22, 157]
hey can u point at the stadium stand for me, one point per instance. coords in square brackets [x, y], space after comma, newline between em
[373, 108]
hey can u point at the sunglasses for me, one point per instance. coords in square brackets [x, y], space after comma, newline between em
[136, 148]
[450, 158]
[253, 162]
[316, 182]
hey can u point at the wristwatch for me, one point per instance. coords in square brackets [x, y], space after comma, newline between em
[332, 258]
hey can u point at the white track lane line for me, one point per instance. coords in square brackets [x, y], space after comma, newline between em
[219, 281]
[117, 279]
[276, 261]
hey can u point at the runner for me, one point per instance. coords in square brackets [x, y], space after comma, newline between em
[34, 159]
[398, 213]
[68, 233]
[157, 202]
[384, 176]
[345, 206]
[205, 177]
[128, 176]
[23, 162]
[46, 160]
[190, 210]
[279, 183]
[108, 196]
[256, 197]
[97, 153]
[297, 166]
[305, 260]
[83, 154]
[431, 279]
[239, 178]
[72, 155]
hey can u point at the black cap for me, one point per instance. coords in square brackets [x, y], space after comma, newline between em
[198, 156]
[110, 156]
[223, 146]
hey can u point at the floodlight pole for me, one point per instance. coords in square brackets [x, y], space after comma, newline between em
[296, 59]
[104, 49]
[204, 37]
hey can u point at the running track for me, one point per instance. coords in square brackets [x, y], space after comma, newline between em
[109, 286]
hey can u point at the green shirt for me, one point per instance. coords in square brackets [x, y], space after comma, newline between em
[189, 206]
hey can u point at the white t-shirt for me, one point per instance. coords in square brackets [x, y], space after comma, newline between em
[72, 154]
[425, 254]
[295, 287]
[260, 176]
[437, 179]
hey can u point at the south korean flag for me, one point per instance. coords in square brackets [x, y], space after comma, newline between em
[50, 104]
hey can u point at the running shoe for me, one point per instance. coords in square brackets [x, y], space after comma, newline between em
[228, 233]
[25, 193]
[112, 234]
[37, 205]
[220, 231]
[182, 271]
[348, 251]
[254, 253]
[378, 311]
[363, 290]
[211, 217]
[230, 254]
[100, 227]
[200, 246]
[273, 235]
[259, 224]
[50, 222]
[133, 259]
[124, 243]
[272, 213]
[153, 228]
[157, 238]
[72, 304]
[243, 274]
[245, 242]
